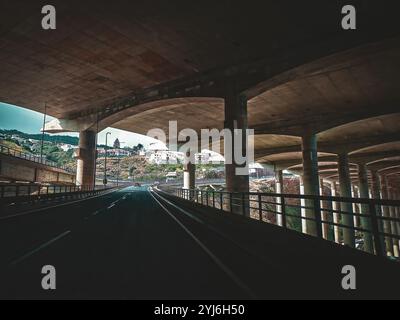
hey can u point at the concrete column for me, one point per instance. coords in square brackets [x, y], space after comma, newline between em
[279, 189]
[311, 183]
[376, 194]
[356, 207]
[365, 221]
[324, 213]
[336, 216]
[393, 224]
[345, 191]
[189, 176]
[303, 204]
[189, 173]
[386, 214]
[236, 118]
[86, 155]
[397, 197]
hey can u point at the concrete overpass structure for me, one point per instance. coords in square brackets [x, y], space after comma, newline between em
[323, 102]
[19, 167]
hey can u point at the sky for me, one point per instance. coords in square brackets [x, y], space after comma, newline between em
[24, 120]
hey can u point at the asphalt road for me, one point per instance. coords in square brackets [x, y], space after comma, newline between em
[122, 245]
[133, 244]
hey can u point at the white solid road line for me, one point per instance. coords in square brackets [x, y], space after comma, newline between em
[39, 248]
[213, 257]
[219, 233]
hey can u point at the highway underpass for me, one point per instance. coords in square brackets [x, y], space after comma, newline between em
[138, 244]
[323, 103]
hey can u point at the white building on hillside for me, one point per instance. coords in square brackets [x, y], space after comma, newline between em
[158, 153]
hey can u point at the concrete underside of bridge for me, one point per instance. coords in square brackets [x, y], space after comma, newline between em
[323, 102]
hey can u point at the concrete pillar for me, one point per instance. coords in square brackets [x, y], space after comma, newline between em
[189, 176]
[236, 118]
[324, 212]
[336, 215]
[303, 204]
[356, 207]
[397, 197]
[86, 155]
[311, 183]
[279, 189]
[189, 173]
[386, 214]
[393, 224]
[365, 221]
[346, 207]
[376, 194]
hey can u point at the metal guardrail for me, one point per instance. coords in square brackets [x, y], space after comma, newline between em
[29, 193]
[370, 225]
[30, 157]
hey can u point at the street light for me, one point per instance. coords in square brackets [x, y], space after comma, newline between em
[105, 160]
[119, 159]
[43, 132]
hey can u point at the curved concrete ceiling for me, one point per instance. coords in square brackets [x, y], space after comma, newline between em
[393, 146]
[104, 50]
[357, 88]
[348, 95]
[194, 113]
[361, 139]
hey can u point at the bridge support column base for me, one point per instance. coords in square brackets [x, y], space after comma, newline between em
[364, 194]
[311, 184]
[86, 155]
[346, 207]
[237, 175]
[279, 189]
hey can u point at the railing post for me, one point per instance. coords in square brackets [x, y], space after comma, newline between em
[317, 213]
[260, 209]
[213, 199]
[243, 205]
[221, 196]
[379, 247]
[283, 206]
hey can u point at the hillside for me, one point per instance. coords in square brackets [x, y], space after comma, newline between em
[49, 138]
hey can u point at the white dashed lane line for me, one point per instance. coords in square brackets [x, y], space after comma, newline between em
[40, 248]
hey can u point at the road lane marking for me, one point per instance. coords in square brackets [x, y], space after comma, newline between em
[41, 247]
[213, 257]
[52, 207]
[218, 232]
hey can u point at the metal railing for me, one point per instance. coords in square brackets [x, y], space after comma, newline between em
[33, 192]
[370, 225]
[30, 157]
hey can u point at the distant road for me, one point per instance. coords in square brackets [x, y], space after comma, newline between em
[136, 244]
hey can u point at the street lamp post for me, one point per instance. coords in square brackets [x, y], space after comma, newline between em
[105, 160]
[119, 162]
[43, 132]
[118, 155]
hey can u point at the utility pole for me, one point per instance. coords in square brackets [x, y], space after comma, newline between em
[95, 158]
[105, 160]
[119, 160]
[43, 131]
